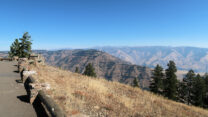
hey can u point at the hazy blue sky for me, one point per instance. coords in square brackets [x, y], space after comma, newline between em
[57, 24]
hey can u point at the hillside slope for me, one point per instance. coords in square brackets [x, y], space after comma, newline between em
[106, 65]
[186, 58]
[83, 96]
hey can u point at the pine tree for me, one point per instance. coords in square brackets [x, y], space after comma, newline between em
[188, 86]
[135, 82]
[171, 81]
[25, 45]
[206, 90]
[199, 91]
[90, 70]
[156, 85]
[77, 70]
[15, 48]
[12, 51]
[182, 92]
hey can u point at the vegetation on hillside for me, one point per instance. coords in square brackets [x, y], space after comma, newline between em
[192, 90]
[80, 95]
[90, 70]
[21, 47]
[170, 81]
[14, 48]
[77, 70]
[135, 82]
[156, 85]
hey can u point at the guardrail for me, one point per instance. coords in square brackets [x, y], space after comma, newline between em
[51, 107]
[7, 59]
[36, 91]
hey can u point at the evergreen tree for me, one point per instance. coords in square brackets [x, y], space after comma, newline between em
[90, 70]
[156, 85]
[206, 90]
[171, 81]
[188, 86]
[135, 82]
[199, 91]
[12, 51]
[182, 92]
[25, 45]
[77, 70]
[15, 48]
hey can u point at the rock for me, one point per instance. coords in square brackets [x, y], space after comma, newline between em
[15, 58]
[35, 88]
[28, 73]
[96, 107]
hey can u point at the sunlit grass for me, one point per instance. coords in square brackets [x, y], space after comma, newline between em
[78, 94]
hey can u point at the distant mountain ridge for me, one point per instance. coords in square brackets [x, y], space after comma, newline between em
[3, 54]
[106, 65]
[186, 58]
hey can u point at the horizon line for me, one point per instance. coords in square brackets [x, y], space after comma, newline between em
[97, 47]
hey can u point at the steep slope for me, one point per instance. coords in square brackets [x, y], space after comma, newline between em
[106, 66]
[82, 96]
[185, 57]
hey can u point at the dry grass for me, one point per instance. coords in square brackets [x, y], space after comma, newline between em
[81, 95]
